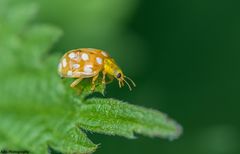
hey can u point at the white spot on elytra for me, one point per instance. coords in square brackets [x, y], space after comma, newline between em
[72, 55]
[76, 66]
[60, 67]
[88, 68]
[104, 53]
[64, 62]
[85, 56]
[69, 73]
[99, 60]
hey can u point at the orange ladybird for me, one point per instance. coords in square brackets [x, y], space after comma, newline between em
[87, 62]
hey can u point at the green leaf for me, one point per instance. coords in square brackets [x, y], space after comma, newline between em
[38, 40]
[39, 111]
[34, 114]
[113, 117]
[73, 138]
[20, 16]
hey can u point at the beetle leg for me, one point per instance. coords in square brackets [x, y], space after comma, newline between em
[103, 78]
[75, 82]
[93, 82]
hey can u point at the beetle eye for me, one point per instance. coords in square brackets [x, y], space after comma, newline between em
[119, 75]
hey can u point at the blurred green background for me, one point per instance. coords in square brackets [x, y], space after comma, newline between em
[183, 55]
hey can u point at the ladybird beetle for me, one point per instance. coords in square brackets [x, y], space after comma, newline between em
[87, 62]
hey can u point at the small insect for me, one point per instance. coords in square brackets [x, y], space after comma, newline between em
[88, 62]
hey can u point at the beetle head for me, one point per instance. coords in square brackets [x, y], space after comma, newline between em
[112, 68]
[122, 79]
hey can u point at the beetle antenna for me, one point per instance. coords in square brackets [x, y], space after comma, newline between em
[130, 80]
[122, 84]
[119, 83]
[128, 85]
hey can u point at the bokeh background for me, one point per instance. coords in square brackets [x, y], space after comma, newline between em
[183, 55]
